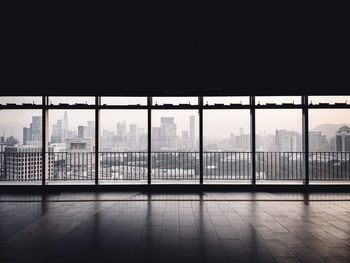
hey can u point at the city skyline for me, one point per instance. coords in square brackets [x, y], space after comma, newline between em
[12, 121]
[181, 139]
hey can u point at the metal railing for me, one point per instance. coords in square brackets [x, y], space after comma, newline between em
[71, 166]
[227, 166]
[175, 166]
[123, 166]
[329, 166]
[119, 166]
[279, 166]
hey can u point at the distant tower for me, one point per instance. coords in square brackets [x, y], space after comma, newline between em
[65, 121]
[192, 132]
[82, 132]
[36, 128]
[65, 126]
[343, 139]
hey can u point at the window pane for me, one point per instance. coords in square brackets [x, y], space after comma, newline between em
[329, 145]
[175, 100]
[175, 146]
[315, 100]
[279, 145]
[21, 100]
[124, 101]
[226, 154]
[72, 145]
[123, 149]
[226, 130]
[278, 100]
[71, 100]
[225, 100]
[20, 146]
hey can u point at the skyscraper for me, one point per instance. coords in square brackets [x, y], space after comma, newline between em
[121, 131]
[343, 139]
[91, 129]
[287, 141]
[27, 135]
[65, 121]
[184, 139]
[168, 132]
[36, 128]
[33, 134]
[82, 132]
[192, 135]
[317, 141]
[65, 126]
[57, 135]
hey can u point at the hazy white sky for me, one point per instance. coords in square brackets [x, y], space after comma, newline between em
[218, 123]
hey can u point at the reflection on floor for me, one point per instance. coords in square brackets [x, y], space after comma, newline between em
[192, 227]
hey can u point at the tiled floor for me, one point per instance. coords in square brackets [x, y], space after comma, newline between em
[205, 227]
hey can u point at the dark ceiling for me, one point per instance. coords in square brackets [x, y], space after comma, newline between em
[183, 57]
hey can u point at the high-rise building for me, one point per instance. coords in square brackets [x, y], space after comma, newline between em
[91, 129]
[57, 135]
[27, 135]
[317, 141]
[121, 130]
[65, 121]
[168, 138]
[36, 128]
[192, 133]
[287, 141]
[185, 139]
[82, 132]
[132, 132]
[164, 137]
[24, 163]
[343, 139]
[132, 137]
[33, 134]
[66, 126]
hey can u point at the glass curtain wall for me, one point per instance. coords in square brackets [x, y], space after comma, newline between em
[131, 145]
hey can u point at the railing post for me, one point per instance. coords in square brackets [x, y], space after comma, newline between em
[149, 139]
[44, 135]
[252, 138]
[200, 104]
[97, 138]
[306, 139]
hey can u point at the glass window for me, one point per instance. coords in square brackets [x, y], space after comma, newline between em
[72, 100]
[20, 100]
[278, 100]
[279, 145]
[21, 146]
[123, 146]
[72, 146]
[175, 146]
[158, 101]
[226, 146]
[221, 100]
[140, 101]
[329, 145]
